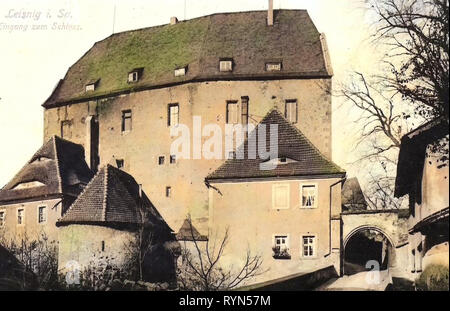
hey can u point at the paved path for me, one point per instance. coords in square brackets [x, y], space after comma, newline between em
[362, 281]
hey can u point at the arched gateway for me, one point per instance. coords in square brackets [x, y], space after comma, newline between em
[379, 235]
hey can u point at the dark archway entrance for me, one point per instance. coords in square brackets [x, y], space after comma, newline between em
[364, 245]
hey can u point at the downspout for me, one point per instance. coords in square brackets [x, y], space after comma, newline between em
[329, 216]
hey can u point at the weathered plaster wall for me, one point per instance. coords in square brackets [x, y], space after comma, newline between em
[150, 136]
[83, 244]
[31, 229]
[253, 222]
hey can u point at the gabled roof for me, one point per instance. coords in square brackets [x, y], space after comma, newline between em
[58, 167]
[303, 158]
[112, 197]
[352, 195]
[188, 232]
[199, 44]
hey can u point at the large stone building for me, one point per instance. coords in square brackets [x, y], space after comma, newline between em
[41, 192]
[120, 99]
[289, 215]
[422, 174]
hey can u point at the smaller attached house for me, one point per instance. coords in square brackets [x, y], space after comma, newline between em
[289, 215]
[41, 192]
[422, 174]
[110, 222]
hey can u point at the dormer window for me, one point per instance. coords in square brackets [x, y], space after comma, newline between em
[226, 65]
[134, 75]
[273, 66]
[92, 85]
[180, 71]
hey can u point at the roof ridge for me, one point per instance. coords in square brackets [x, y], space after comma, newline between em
[196, 18]
[105, 194]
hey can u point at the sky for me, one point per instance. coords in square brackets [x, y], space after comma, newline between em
[41, 39]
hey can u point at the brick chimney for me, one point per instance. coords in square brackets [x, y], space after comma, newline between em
[270, 14]
[173, 20]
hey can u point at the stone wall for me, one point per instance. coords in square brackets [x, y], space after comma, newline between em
[150, 138]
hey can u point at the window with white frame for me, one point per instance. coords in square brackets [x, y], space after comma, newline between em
[180, 72]
[273, 66]
[20, 216]
[226, 65]
[291, 110]
[280, 196]
[2, 218]
[309, 245]
[173, 114]
[281, 246]
[232, 112]
[133, 76]
[308, 194]
[42, 214]
[90, 87]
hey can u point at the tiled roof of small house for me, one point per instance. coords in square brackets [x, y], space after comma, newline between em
[112, 197]
[188, 232]
[352, 195]
[198, 45]
[58, 167]
[303, 158]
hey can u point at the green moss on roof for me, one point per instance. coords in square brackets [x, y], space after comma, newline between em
[199, 44]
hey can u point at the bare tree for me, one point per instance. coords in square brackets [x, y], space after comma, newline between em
[202, 271]
[416, 33]
[382, 120]
[413, 88]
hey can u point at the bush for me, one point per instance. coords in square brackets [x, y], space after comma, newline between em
[433, 278]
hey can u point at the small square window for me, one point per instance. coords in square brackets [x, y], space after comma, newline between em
[2, 218]
[120, 163]
[126, 120]
[226, 65]
[91, 86]
[168, 192]
[161, 160]
[273, 66]
[42, 214]
[180, 72]
[135, 75]
[173, 159]
[20, 216]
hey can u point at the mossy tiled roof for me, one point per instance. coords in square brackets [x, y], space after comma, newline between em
[112, 197]
[198, 44]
